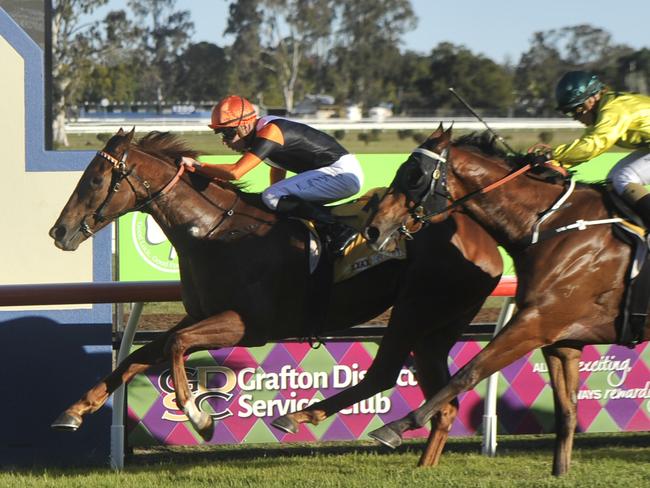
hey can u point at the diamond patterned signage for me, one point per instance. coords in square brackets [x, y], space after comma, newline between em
[245, 389]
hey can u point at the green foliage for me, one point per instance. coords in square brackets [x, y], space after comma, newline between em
[367, 49]
[477, 78]
[103, 137]
[286, 49]
[202, 73]
[556, 51]
[404, 133]
[339, 134]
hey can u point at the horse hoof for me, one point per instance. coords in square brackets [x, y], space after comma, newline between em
[386, 436]
[67, 422]
[206, 431]
[285, 424]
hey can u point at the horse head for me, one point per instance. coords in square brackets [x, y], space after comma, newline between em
[94, 192]
[122, 177]
[419, 188]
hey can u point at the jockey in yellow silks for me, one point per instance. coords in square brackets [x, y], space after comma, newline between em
[611, 118]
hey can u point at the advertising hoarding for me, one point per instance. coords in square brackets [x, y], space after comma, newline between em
[245, 389]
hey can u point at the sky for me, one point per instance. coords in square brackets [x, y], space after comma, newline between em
[499, 29]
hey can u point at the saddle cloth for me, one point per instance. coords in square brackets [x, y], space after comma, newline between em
[357, 256]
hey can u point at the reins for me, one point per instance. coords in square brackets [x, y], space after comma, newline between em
[481, 191]
[537, 235]
[120, 172]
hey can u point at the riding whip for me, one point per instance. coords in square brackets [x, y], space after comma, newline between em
[468, 107]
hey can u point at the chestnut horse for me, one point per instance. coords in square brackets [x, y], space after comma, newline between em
[570, 284]
[245, 280]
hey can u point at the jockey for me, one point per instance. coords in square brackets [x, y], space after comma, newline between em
[611, 117]
[325, 171]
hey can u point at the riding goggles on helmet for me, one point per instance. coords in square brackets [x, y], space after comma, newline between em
[573, 111]
[228, 133]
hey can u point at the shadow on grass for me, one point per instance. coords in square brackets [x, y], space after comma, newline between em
[472, 445]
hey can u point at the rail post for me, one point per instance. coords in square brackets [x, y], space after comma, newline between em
[117, 425]
[489, 446]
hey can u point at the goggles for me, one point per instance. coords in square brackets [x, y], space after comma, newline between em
[227, 133]
[574, 111]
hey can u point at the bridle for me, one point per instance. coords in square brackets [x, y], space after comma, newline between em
[121, 172]
[436, 199]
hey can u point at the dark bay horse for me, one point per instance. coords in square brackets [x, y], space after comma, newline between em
[570, 285]
[245, 280]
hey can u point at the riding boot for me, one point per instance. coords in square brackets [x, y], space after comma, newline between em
[297, 207]
[339, 235]
[642, 208]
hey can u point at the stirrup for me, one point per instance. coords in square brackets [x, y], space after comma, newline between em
[341, 240]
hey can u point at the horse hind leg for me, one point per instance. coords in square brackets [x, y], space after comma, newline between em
[514, 341]
[381, 375]
[563, 372]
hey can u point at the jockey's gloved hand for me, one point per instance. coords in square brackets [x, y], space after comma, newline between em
[538, 154]
[535, 159]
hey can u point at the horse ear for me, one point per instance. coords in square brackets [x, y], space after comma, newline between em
[437, 133]
[447, 133]
[129, 136]
[120, 132]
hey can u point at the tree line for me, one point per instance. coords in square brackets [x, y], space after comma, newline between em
[285, 49]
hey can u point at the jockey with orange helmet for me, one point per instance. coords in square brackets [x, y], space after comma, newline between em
[612, 118]
[325, 170]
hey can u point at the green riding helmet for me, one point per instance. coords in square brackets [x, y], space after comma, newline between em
[574, 88]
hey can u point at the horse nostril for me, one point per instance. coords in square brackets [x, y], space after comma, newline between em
[57, 232]
[372, 234]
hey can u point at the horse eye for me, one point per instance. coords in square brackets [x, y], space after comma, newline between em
[97, 181]
[413, 178]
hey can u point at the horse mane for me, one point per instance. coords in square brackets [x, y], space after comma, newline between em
[169, 147]
[486, 143]
[165, 145]
[483, 141]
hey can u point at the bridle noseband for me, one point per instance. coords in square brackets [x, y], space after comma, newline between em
[430, 196]
[119, 173]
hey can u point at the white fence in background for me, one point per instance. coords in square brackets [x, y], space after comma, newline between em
[177, 124]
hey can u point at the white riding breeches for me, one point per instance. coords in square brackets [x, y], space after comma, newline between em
[633, 168]
[339, 180]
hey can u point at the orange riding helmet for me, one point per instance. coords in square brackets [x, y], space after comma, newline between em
[232, 111]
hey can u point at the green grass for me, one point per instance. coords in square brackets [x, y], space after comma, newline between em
[522, 461]
[388, 141]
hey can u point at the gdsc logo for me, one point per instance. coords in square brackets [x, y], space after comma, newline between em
[210, 386]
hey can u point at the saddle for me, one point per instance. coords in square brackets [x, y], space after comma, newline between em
[327, 268]
[356, 256]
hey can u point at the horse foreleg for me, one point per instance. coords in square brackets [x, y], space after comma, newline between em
[222, 330]
[518, 338]
[441, 424]
[563, 371]
[381, 375]
[432, 374]
[136, 362]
